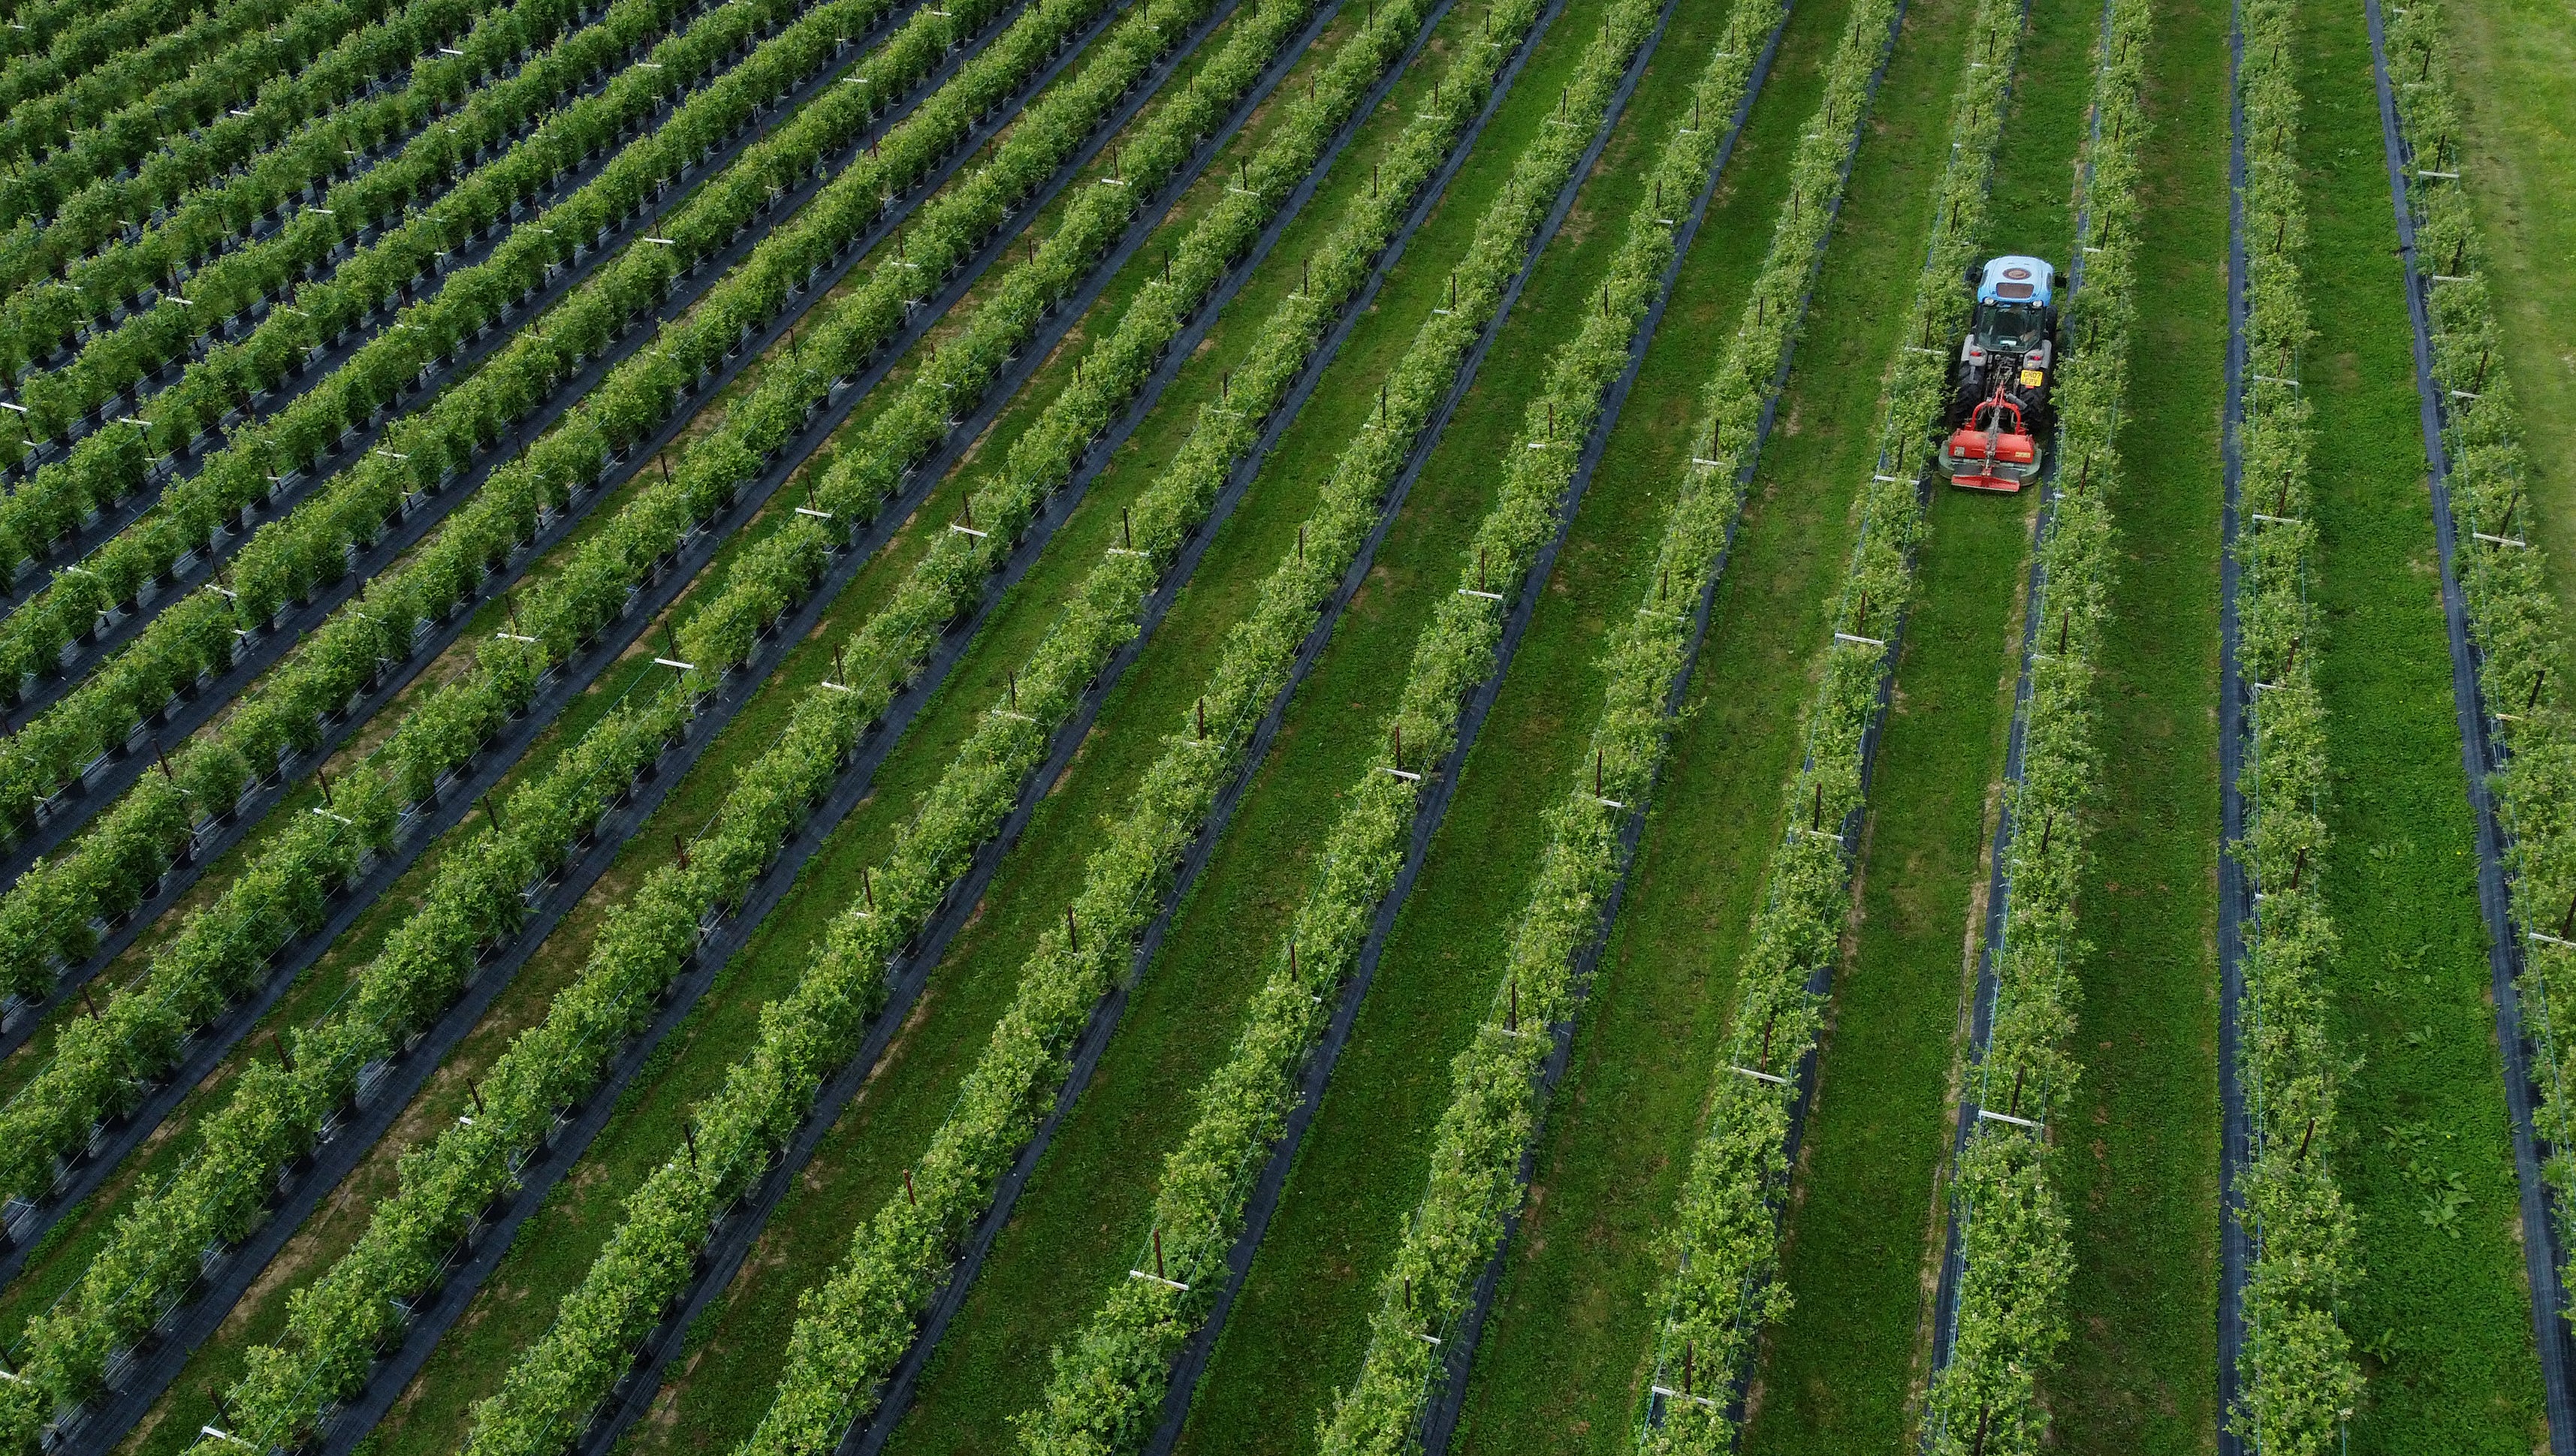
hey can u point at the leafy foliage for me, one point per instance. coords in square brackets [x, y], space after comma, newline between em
[452, 723]
[818, 1025]
[277, 1112]
[117, 111]
[300, 130]
[56, 42]
[329, 1348]
[45, 917]
[1724, 1236]
[1107, 1391]
[1495, 1106]
[2011, 1319]
[229, 277]
[308, 547]
[423, 453]
[2298, 1376]
[2518, 631]
[531, 139]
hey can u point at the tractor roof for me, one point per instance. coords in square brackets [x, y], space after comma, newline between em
[2014, 278]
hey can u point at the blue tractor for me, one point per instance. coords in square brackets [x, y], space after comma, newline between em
[1999, 384]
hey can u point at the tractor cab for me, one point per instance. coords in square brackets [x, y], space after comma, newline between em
[1999, 386]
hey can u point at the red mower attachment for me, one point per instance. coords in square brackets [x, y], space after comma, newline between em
[1993, 450]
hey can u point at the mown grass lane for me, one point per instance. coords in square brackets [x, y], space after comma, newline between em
[2442, 1319]
[2141, 1180]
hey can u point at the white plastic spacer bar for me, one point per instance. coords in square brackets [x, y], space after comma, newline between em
[1669, 1393]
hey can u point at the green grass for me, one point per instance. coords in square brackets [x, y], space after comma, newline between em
[68, 1247]
[1294, 1337]
[729, 1383]
[1074, 1233]
[29, 1059]
[2514, 59]
[556, 1247]
[1844, 1372]
[339, 1222]
[2139, 1167]
[560, 1248]
[1566, 1357]
[2424, 1150]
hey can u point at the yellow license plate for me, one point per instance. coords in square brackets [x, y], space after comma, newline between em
[2030, 379]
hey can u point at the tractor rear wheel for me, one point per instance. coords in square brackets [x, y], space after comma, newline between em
[1967, 391]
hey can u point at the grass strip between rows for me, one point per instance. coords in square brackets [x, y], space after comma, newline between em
[47, 917]
[226, 946]
[1498, 1096]
[320, 1317]
[1108, 1388]
[2509, 62]
[2518, 630]
[1724, 1237]
[229, 275]
[2007, 1221]
[2298, 1379]
[766, 1094]
[2441, 1315]
[190, 635]
[512, 142]
[309, 546]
